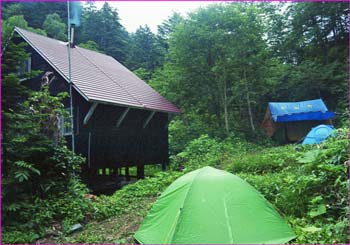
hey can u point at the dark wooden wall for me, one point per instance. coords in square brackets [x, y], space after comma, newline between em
[128, 145]
[289, 132]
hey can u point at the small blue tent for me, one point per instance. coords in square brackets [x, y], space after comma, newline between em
[291, 121]
[318, 134]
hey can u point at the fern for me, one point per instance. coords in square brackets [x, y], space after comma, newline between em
[25, 167]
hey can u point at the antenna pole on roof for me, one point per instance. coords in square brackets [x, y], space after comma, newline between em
[70, 80]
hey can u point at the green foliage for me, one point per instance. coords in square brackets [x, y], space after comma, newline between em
[210, 71]
[206, 151]
[19, 21]
[307, 184]
[38, 171]
[35, 177]
[103, 27]
[311, 39]
[274, 160]
[41, 9]
[130, 198]
[11, 10]
[55, 27]
[145, 51]
[55, 213]
[19, 237]
[91, 45]
[182, 132]
[167, 28]
[311, 194]
[220, 65]
[142, 73]
[122, 212]
[320, 232]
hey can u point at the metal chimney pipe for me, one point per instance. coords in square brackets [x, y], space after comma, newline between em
[71, 41]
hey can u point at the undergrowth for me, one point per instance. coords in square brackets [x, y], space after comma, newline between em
[306, 184]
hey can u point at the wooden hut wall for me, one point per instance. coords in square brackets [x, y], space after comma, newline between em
[58, 85]
[127, 145]
[295, 131]
[110, 146]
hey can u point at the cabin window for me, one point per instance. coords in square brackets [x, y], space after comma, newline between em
[65, 124]
[25, 66]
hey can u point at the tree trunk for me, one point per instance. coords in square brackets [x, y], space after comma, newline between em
[248, 102]
[225, 107]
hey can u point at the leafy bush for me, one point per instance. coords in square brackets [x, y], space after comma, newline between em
[35, 218]
[131, 197]
[39, 171]
[265, 161]
[328, 231]
[19, 237]
[207, 151]
[307, 184]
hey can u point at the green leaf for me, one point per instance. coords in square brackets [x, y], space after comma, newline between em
[321, 209]
[309, 156]
[311, 229]
[22, 175]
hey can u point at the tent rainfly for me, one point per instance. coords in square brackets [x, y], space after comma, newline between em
[209, 206]
[318, 134]
[293, 120]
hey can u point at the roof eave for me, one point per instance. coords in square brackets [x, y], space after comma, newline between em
[134, 107]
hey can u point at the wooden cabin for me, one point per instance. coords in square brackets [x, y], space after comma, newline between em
[118, 120]
[291, 121]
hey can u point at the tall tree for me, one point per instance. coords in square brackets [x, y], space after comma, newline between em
[9, 24]
[220, 53]
[34, 12]
[167, 28]
[36, 163]
[313, 48]
[103, 27]
[145, 51]
[55, 27]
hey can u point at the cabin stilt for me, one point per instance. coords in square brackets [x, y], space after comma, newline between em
[141, 172]
[127, 175]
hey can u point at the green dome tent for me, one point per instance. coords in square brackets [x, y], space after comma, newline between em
[212, 206]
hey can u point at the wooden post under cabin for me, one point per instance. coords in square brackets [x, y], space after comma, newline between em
[127, 175]
[141, 172]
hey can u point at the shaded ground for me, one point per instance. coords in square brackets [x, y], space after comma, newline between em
[118, 229]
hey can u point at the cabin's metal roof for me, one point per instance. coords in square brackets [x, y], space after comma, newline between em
[98, 77]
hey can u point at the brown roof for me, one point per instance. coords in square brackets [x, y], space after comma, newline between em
[98, 77]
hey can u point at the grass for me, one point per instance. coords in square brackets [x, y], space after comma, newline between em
[116, 229]
[295, 180]
[117, 217]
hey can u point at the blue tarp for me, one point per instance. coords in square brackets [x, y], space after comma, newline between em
[318, 134]
[300, 111]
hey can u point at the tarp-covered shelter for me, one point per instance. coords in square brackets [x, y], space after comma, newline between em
[291, 121]
[209, 206]
[318, 134]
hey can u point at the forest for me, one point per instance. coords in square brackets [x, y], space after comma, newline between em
[221, 64]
